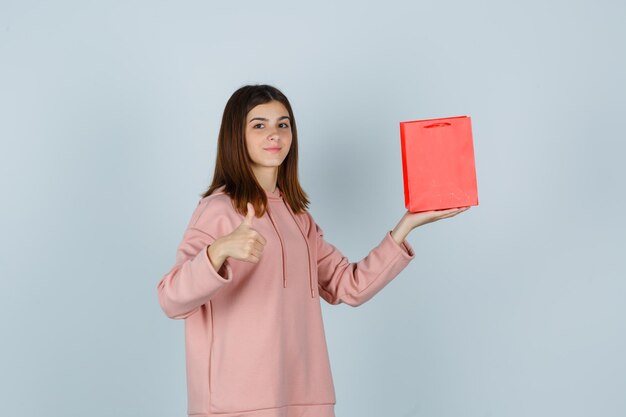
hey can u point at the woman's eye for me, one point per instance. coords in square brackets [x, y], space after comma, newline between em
[285, 125]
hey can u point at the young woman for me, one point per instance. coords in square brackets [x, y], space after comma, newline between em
[252, 266]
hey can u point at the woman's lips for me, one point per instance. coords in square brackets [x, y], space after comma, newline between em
[272, 150]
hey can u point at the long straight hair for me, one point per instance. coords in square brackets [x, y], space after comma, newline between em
[232, 165]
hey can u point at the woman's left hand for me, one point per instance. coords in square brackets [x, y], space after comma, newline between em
[419, 219]
[412, 220]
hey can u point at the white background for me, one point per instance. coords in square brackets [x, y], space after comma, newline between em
[109, 114]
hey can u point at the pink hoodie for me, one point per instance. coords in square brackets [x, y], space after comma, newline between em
[255, 342]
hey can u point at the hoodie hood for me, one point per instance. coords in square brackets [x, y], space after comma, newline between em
[276, 195]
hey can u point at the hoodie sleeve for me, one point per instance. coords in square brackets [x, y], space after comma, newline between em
[192, 281]
[354, 283]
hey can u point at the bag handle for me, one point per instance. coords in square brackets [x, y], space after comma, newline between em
[442, 124]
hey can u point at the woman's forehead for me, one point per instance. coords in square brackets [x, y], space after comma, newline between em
[273, 108]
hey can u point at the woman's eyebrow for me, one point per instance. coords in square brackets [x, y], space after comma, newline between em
[265, 120]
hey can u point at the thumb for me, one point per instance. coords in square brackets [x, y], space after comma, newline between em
[250, 215]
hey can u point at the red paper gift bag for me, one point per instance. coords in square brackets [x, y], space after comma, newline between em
[438, 164]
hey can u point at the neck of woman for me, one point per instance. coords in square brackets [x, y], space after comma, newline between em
[267, 177]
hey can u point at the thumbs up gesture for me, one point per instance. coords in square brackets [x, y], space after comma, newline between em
[243, 243]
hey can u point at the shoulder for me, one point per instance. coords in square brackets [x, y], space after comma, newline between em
[215, 214]
[308, 222]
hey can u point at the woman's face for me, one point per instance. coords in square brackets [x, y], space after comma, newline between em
[268, 134]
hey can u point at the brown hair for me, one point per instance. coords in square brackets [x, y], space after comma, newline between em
[232, 165]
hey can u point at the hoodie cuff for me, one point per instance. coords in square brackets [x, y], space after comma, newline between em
[404, 248]
[224, 269]
[202, 267]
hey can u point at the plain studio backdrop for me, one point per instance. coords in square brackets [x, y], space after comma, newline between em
[109, 115]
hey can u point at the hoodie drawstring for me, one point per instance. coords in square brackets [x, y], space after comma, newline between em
[308, 249]
[282, 247]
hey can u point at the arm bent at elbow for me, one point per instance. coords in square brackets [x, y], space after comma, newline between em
[194, 279]
[354, 283]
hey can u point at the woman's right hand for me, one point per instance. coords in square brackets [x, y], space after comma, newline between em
[244, 243]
